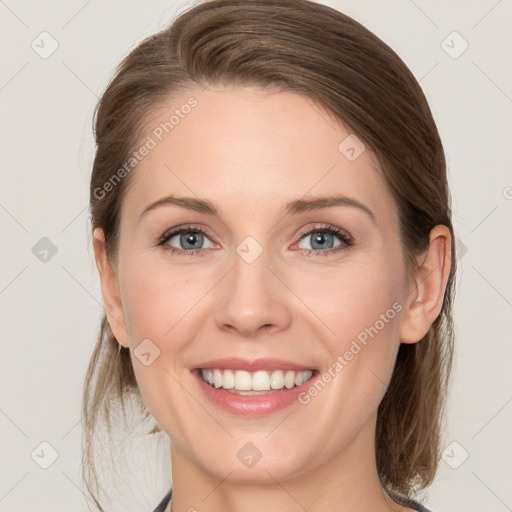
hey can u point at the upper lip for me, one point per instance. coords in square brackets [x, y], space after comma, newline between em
[250, 365]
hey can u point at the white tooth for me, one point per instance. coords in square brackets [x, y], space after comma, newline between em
[289, 379]
[243, 381]
[229, 380]
[303, 377]
[260, 381]
[277, 379]
[217, 378]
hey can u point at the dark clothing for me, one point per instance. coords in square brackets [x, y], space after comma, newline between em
[409, 503]
[164, 502]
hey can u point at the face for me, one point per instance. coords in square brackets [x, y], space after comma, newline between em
[274, 286]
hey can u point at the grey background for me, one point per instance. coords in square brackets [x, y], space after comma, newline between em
[50, 310]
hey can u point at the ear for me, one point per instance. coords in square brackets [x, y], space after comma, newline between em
[426, 295]
[110, 289]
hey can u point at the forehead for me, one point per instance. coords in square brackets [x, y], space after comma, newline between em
[253, 150]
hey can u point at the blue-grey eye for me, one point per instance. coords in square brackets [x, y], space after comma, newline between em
[321, 239]
[188, 240]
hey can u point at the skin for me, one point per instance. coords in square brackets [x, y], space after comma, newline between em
[251, 151]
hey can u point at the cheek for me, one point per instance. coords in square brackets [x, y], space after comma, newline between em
[361, 305]
[158, 301]
[357, 297]
[159, 306]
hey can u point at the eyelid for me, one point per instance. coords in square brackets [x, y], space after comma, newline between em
[341, 233]
[161, 239]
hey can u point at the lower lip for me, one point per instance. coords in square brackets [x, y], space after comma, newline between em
[252, 405]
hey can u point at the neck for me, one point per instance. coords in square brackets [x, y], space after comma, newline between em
[348, 481]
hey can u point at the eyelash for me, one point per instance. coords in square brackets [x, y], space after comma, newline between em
[346, 239]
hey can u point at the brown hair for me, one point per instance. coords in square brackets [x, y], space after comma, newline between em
[322, 54]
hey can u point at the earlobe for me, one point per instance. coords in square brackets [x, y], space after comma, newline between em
[426, 295]
[110, 289]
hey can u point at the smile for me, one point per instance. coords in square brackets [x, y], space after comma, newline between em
[258, 382]
[243, 388]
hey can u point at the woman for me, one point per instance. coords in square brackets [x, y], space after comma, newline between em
[272, 229]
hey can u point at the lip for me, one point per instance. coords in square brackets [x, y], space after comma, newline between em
[252, 405]
[236, 363]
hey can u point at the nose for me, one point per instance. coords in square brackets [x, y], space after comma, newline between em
[253, 300]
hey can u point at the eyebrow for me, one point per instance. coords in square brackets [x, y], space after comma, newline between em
[294, 207]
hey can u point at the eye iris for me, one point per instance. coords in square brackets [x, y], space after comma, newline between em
[190, 238]
[320, 237]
